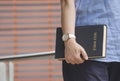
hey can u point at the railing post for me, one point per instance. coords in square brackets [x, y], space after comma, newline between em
[11, 71]
[3, 74]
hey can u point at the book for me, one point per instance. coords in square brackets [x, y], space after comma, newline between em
[91, 37]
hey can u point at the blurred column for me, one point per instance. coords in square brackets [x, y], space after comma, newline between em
[11, 71]
[3, 73]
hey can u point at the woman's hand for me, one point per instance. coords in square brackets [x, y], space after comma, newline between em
[74, 51]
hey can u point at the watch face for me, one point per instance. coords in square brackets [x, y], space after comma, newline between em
[65, 37]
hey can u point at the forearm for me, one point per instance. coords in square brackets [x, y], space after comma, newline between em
[68, 16]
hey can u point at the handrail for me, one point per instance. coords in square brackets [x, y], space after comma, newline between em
[10, 58]
[24, 56]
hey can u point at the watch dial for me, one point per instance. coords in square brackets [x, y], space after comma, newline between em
[66, 37]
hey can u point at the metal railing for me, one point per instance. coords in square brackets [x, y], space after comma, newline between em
[26, 56]
[9, 76]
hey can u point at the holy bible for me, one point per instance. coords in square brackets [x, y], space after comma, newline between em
[92, 38]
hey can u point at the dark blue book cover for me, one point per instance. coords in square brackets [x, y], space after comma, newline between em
[92, 38]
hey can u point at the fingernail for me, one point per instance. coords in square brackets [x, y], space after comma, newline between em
[86, 58]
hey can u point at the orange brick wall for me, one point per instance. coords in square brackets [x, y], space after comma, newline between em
[28, 26]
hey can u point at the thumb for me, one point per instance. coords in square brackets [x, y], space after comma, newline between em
[84, 54]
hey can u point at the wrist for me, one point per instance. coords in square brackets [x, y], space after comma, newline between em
[69, 41]
[68, 36]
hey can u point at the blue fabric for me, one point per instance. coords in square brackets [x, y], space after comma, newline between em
[94, 12]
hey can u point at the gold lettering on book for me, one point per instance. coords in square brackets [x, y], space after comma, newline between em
[94, 41]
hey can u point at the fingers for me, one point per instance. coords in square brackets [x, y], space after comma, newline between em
[73, 51]
[70, 59]
[79, 60]
[75, 58]
[84, 54]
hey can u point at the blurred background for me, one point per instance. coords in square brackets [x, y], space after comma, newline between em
[29, 26]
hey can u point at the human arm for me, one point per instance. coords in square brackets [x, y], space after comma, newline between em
[72, 48]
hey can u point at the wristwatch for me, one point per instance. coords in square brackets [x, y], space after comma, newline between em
[66, 37]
